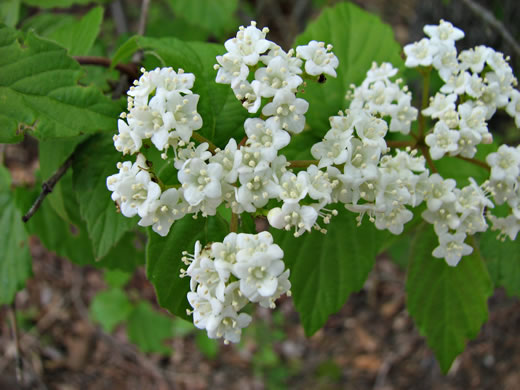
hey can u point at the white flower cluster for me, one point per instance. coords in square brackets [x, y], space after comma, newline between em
[277, 76]
[161, 107]
[381, 97]
[476, 82]
[354, 164]
[504, 185]
[227, 275]
[372, 181]
[361, 174]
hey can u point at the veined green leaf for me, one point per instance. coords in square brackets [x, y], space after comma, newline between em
[70, 239]
[327, 268]
[79, 36]
[9, 12]
[217, 17]
[94, 161]
[15, 258]
[448, 304]
[503, 261]
[39, 92]
[163, 258]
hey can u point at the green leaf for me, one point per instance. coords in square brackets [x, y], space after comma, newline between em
[148, 329]
[52, 154]
[116, 278]
[160, 25]
[94, 161]
[359, 38]
[45, 23]
[71, 240]
[502, 260]
[217, 17]
[465, 169]
[222, 114]
[327, 268]
[15, 258]
[163, 258]
[39, 92]
[79, 36]
[110, 308]
[448, 304]
[10, 12]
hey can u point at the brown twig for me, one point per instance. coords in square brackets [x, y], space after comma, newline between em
[490, 19]
[18, 355]
[474, 161]
[199, 138]
[426, 153]
[47, 188]
[400, 144]
[233, 225]
[242, 142]
[302, 163]
[128, 69]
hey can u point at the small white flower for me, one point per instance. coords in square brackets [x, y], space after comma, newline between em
[230, 159]
[317, 58]
[444, 32]
[294, 187]
[276, 76]
[227, 324]
[200, 180]
[231, 70]
[164, 211]
[248, 94]
[403, 114]
[504, 163]
[248, 44]
[266, 136]
[288, 111]
[513, 107]
[452, 248]
[442, 140]
[420, 53]
[474, 58]
[292, 215]
[440, 104]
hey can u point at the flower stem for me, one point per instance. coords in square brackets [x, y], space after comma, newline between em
[302, 163]
[425, 99]
[242, 142]
[474, 161]
[233, 225]
[199, 138]
[400, 144]
[426, 153]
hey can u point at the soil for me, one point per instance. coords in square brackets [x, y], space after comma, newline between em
[371, 343]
